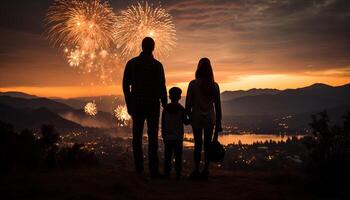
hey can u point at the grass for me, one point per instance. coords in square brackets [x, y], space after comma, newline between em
[121, 183]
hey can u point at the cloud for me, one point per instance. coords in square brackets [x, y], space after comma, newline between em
[268, 35]
[241, 37]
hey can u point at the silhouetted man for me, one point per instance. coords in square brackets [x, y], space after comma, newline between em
[144, 88]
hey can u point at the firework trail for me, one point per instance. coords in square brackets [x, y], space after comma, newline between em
[91, 108]
[85, 29]
[142, 20]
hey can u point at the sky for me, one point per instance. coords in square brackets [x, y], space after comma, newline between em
[251, 44]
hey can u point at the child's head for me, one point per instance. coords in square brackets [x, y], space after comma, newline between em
[175, 94]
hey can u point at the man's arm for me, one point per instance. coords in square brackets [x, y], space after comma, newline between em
[126, 85]
[189, 101]
[162, 124]
[163, 91]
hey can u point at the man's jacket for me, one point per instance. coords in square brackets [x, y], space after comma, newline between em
[144, 81]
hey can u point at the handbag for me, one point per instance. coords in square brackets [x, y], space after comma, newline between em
[216, 150]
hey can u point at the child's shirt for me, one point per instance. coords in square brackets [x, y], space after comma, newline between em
[173, 119]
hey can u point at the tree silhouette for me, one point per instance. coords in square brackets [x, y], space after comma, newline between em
[27, 151]
[49, 135]
[7, 143]
[23, 151]
[49, 139]
[330, 151]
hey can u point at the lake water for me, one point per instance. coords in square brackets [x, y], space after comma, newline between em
[227, 139]
[244, 138]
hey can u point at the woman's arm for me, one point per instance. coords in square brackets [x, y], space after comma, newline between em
[127, 81]
[218, 112]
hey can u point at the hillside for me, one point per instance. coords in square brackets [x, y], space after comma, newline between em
[32, 104]
[43, 110]
[100, 120]
[122, 183]
[33, 119]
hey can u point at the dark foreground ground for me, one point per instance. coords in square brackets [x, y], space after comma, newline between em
[115, 183]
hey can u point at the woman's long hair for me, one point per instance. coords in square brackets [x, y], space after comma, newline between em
[205, 73]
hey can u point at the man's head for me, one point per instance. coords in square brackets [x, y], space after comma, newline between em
[175, 94]
[148, 45]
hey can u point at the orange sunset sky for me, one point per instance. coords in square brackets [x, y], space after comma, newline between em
[252, 44]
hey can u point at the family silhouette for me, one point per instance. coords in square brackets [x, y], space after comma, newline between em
[145, 90]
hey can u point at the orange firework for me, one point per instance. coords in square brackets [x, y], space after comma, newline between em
[91, 108]
[85, 29]
[140, 21]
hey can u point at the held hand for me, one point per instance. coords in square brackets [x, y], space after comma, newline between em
[187, 120]
[218, 127]
[215, 137]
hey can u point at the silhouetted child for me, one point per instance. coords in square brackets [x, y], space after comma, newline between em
[173, 120]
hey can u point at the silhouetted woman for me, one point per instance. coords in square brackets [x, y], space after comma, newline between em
[204, 108]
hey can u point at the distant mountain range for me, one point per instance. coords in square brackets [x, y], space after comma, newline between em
[230, 95]
[285, 111]
[256, 110]
[18, 94]
[32, 112]
[288, 102]
[105, 103]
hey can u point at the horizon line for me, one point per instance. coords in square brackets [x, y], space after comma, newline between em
[25, 89]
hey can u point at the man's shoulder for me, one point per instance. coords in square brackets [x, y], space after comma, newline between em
[133, 60]
[157, 63]
[138, 59]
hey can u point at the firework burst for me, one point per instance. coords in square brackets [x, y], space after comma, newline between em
[88, 24]
[121, 113]
[85, 30]
[91, 108]
[74, 58]
[143, 20]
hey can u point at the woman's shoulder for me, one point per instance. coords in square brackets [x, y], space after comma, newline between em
[216, 85]
[193, 82]
[217, 88]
